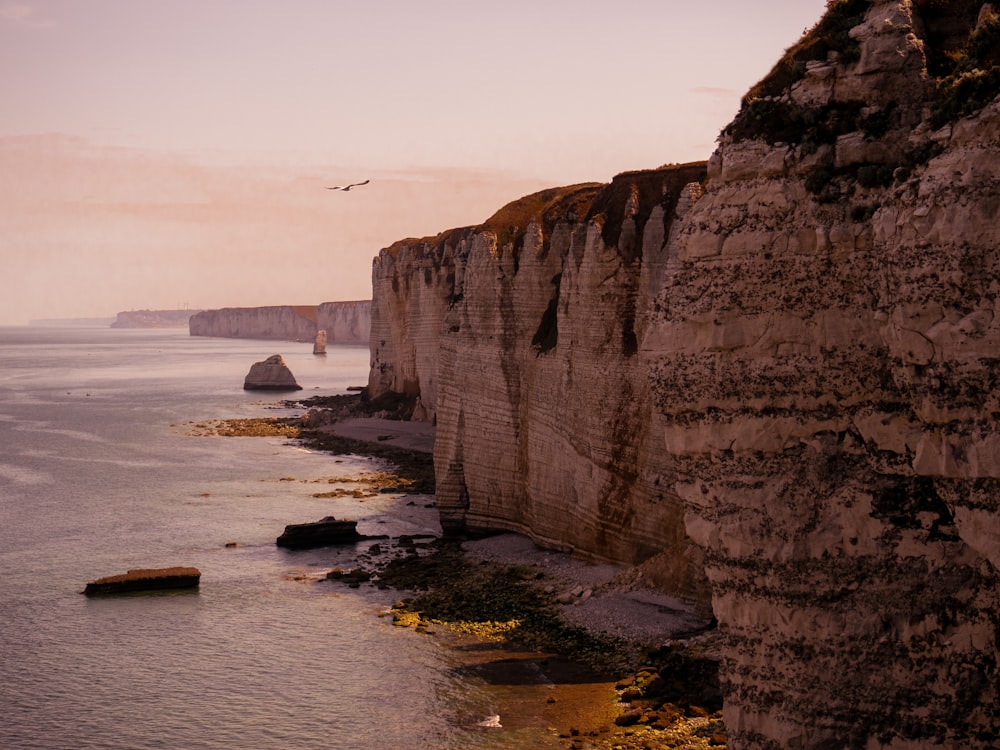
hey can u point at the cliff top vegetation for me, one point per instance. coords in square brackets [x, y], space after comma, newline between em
[961, 45]
[647, 188]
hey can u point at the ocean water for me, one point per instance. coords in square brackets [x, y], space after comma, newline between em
[98, 474]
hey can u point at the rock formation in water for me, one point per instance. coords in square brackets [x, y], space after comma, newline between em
[323, 533]
[800, 355]
[521, 338]
[827, 348]
[319, 345]
[145, 579]
[270, 375]
[153, 319]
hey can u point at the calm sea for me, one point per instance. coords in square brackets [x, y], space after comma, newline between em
[98, 475]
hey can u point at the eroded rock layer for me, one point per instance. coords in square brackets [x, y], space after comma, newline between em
[827, 362]
[344, 322]
[801, 356]
[522, 339]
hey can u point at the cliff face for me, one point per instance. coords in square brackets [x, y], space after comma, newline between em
[153, 319]
[827, 363]
[413, 284]
[522, 338]
[800, 360]
[344, 322]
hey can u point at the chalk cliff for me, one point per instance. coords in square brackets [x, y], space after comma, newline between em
[793, 364]
[344, 322]
[521, 338]
[827, 365]
[153, 319]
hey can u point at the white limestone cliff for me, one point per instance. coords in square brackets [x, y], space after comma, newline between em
[827, 350]
[344, 322]
[521, 338]
[277, 322]
[795, 365]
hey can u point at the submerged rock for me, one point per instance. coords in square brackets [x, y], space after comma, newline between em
[270, 375]
[145, 579]
[320, 533]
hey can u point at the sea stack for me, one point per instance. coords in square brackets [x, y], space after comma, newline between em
[270, 375]
[320, 346]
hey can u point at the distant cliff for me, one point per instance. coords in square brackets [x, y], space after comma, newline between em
[793, 364]
[344, 322]
[522, 338]
[153, 319]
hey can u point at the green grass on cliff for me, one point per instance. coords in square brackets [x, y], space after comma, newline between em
[830, 34]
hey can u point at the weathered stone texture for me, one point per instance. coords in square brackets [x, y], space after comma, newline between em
[522, 338]
[826, 370]
[344, 322]
[278, 322]
[413, 283]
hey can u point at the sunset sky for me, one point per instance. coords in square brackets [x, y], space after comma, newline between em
[170, 154]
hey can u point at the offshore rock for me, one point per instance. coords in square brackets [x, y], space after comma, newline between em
[323, 533]
[270, 375]
[319, 345]
[145, 579]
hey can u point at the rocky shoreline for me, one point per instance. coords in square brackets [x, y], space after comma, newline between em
[622, 665]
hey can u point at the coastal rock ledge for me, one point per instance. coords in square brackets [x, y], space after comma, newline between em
[270, 375]
[145, 579]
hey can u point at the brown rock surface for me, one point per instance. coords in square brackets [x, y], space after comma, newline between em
[828, 359]
[800, 356]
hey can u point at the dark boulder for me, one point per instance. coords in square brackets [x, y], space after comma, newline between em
[322, 533]
[145, 579]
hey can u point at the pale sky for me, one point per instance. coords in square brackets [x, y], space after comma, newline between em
[162, 154]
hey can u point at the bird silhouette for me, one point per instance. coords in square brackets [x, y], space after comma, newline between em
[348, 187]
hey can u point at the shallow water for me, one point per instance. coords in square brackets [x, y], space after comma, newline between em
[98, 475]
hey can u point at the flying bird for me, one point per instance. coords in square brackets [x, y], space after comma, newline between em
[348, 187]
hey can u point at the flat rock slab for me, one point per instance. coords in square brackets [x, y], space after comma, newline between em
[145, 579]
[322, 533]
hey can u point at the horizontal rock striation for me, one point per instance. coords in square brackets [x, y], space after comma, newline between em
[827, 371]
[279, 322]
[522, 339]
[272, 374]
[345, 322]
